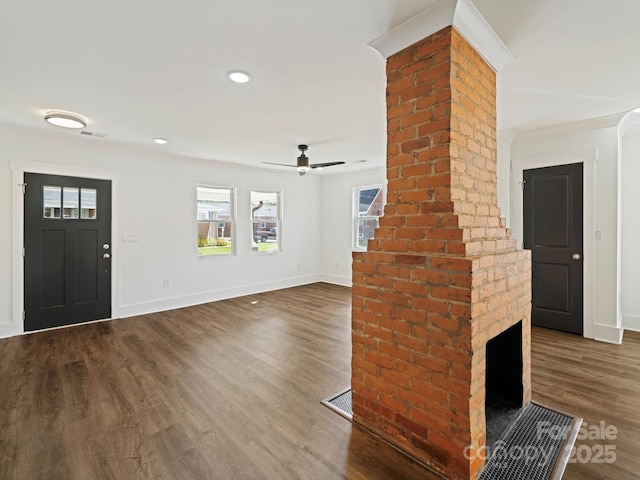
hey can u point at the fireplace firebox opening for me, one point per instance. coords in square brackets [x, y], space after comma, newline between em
[504, 381]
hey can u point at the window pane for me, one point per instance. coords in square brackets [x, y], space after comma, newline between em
[370, 202]
[366, 228]
[214, 238]
[88, 203]
[70, 202]
[265, 221]
[214, 220]
[51, 201]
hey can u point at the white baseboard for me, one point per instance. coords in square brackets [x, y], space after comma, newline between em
[11, 329]
[336, 280]
[631, 322]
[213, 296]
[607, 333]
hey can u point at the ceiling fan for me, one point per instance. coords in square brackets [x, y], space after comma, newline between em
[303, 164]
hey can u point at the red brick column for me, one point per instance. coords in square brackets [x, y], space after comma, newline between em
[441, 277]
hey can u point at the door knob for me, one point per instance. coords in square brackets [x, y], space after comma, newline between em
[106, 255]
[576, 256]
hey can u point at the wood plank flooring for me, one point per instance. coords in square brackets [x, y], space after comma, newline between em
[231, 390]
[599, 382]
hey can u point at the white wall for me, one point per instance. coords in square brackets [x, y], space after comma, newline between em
[154, 198]
[504, 175]
[601, 297]
[630, 255]
[337, 219]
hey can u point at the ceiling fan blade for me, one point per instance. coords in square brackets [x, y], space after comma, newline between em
[281, 164]
[327, 164]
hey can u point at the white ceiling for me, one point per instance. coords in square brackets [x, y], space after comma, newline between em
[142, 69]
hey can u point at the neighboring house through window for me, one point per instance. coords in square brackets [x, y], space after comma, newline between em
[266, 210]
[368, 206]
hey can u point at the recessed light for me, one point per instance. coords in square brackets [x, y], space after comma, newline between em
[160, 141]
[65, 120]
[238, 76]
[636, 110]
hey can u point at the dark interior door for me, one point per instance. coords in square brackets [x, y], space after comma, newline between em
[67, 256]
[553, 232]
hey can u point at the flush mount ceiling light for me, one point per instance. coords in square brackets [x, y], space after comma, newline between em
[65, 120]
[237, 76]
[160, 141]
[636, 110]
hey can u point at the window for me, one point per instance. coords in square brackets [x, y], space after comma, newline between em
[265, 221]
[69, 203]
[215, 219]
[368, 207]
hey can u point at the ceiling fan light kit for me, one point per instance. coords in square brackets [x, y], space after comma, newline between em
[303, 160]
[303, 165]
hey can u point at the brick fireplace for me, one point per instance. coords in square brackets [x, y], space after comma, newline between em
[441, 278]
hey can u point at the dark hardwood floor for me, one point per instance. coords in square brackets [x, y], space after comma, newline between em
[231, 390]
[599, 382]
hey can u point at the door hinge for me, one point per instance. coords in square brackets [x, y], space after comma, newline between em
[24, 188]
[24, 315]
[24, 252]
[522, 183]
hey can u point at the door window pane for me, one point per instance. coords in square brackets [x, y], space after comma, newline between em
[51, 201]
[88, 203]
[70, 202]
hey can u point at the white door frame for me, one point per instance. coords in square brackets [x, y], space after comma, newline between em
[18, 167]
[588, 157]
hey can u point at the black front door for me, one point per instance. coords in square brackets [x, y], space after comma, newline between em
[67, 256]
[553, 232]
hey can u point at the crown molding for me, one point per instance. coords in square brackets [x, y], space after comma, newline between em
[570, 128]
[425, 23]
[463, 15]
[473, 26]
[630, 124]
[507, 135]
